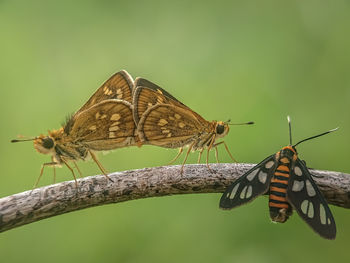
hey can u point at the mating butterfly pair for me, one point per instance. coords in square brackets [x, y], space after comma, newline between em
[124, 112]
[289, 184]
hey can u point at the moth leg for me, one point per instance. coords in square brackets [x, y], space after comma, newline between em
[42, 171]
[316, 176]
[310, 169]
[54, 171]
[177, 156]
[76, 166]
[71, 169]
[187, 153]
[229, 152]
[200, 155]
[99, 165]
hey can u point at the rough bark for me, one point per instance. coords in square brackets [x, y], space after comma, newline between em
[30, 206]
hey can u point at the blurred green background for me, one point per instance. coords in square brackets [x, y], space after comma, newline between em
[243, 60]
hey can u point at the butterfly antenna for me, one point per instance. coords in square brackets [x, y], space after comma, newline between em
[245, 123]
[23, 140]
[290, 130]
[316, 136]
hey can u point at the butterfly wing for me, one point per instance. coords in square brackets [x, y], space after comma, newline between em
[147, 94]
[119, 86]
[104, 126]
[169, 126]
[250, 185]
[305, 197]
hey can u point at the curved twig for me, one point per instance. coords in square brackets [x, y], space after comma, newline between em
[30, 206]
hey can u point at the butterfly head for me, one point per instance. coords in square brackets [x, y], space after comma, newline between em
[221, 129]
[44, 144]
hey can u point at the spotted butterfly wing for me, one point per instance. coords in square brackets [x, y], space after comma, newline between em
[106, 125]
[119, 86]
[305, 197]
[147, 94]
[253, 183]
[169, 126]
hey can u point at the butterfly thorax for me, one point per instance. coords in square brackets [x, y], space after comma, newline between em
[280, 209]
[210, 133]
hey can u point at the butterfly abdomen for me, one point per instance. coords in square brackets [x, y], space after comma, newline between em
[278, 204]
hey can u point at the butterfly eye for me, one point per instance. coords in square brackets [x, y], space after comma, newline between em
[48, 143]
[220, 129]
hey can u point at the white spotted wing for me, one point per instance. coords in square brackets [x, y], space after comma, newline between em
[305, 197]
[253, 183]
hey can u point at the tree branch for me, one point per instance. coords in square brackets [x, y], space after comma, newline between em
[30, 206]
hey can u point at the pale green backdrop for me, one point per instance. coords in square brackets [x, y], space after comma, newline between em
[243, 60]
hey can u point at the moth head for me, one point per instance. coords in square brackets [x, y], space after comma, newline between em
[288, 151]
[221, 129]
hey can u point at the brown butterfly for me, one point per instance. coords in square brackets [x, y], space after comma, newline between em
[164, 121]
[104, 122]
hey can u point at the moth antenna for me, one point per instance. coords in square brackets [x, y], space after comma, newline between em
[290, 130]
[316, 136]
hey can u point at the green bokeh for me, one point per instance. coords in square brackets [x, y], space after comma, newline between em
[238, 60]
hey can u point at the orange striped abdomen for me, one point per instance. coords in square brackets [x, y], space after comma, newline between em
[278, 204]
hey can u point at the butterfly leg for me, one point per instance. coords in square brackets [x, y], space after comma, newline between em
[54, 170]
[99, 165]
[216, 151]
[200, 155]
[71, 169]
[76, 166]
[207, 161]
[216, 154]
[42, 171]
[177, 156]
[187, 153]
[229, 152]
[208, 151]
[216, 144]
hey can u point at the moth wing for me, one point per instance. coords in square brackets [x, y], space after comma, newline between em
[305, 197]
[250, 185]
[147, 94]
[166, 125]
[104, 126]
